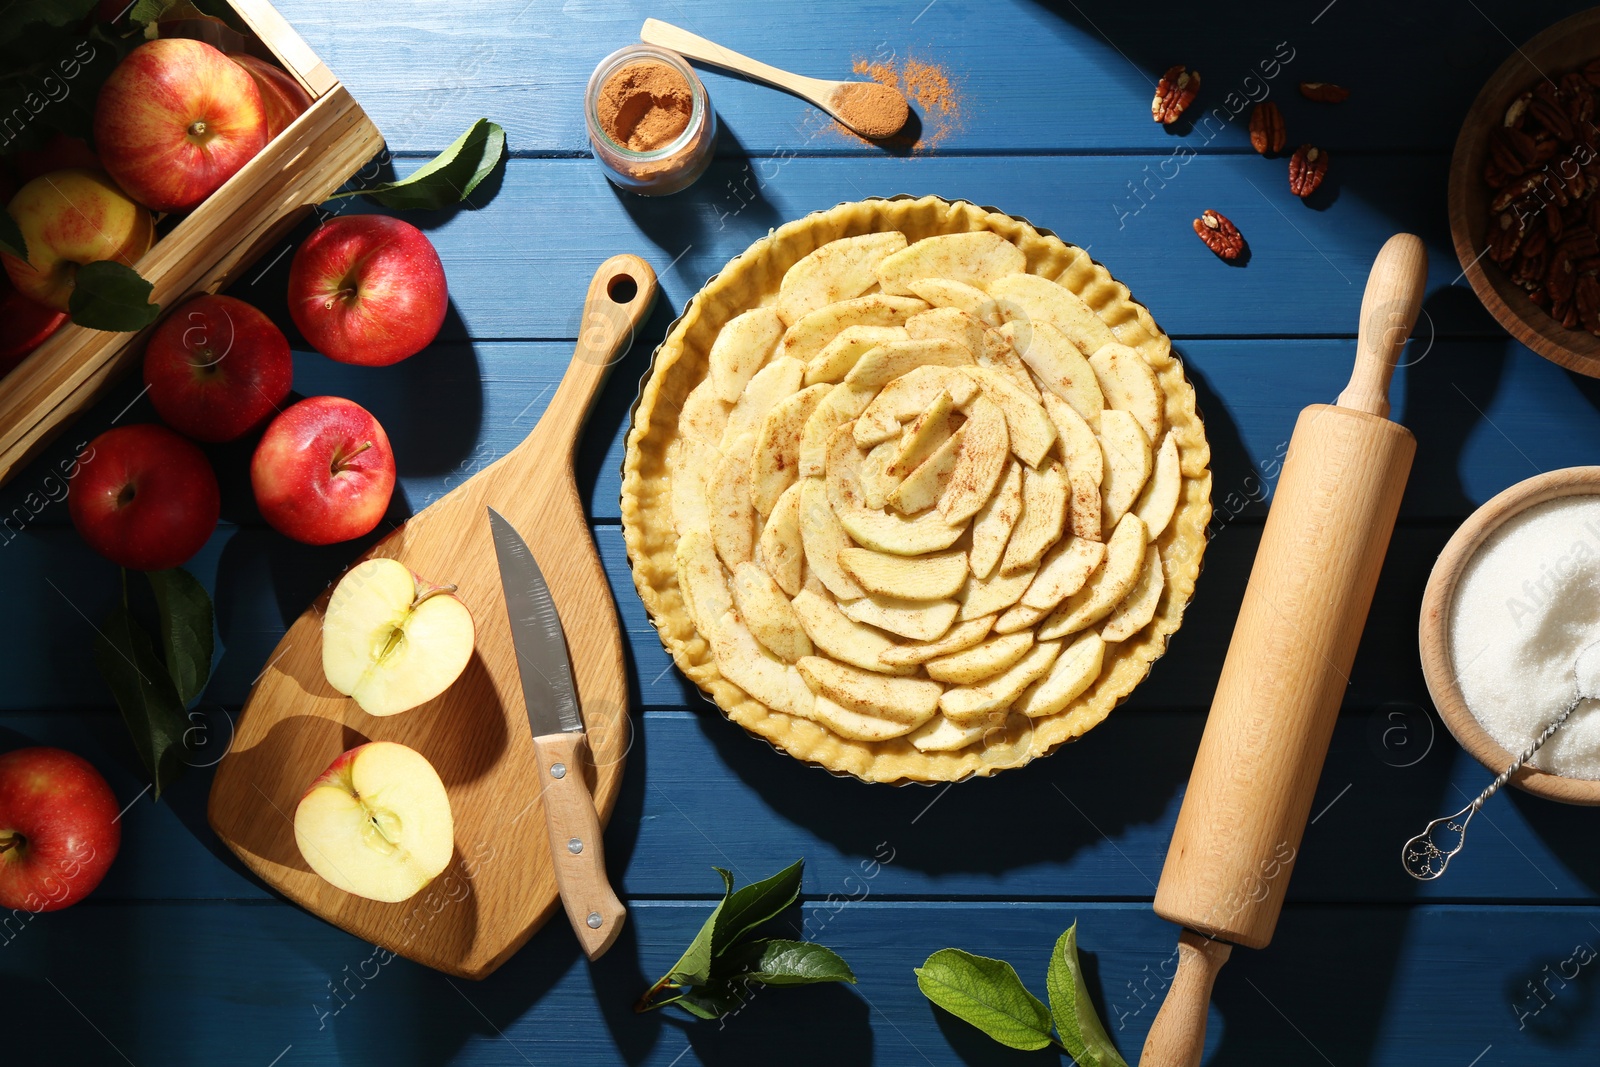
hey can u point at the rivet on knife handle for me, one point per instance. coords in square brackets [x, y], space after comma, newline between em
[576, 848]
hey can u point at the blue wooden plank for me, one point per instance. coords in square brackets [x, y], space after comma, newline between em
[1486, 414]
[1031, 77]
[1382, 986]
[519, 261]
[1110, 801]
[261, 582]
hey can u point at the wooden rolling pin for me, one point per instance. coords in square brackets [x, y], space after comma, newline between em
[1288, 664]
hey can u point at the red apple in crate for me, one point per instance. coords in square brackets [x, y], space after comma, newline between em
[144, 497]
[216, 368]
[391, 640]
[68, 218]
[367, 289]
[377, 823]
[24, 325]
[59, 829]
[61, 152]
[323, 471]
[175, 120]
[282, 98]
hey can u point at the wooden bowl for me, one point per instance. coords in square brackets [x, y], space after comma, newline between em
[1566, 45]
[1433, 631]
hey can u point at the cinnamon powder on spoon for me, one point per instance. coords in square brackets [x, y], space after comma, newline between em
[870, 108]
[645, 106]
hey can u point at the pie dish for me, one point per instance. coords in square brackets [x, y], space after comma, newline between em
[915, 491]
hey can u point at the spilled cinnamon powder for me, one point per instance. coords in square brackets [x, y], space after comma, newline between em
[645, 106]
[926, 85]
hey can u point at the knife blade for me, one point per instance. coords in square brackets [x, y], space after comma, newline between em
[560, 748]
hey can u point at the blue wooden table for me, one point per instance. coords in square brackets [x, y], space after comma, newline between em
[182, 958]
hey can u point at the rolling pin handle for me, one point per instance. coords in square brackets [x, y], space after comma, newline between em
[1178, 1035]
[1389, 309]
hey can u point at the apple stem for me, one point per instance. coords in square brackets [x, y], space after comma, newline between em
[343, 294]
[342, 462]
[197, 128]
[431, 592]
[9, 841]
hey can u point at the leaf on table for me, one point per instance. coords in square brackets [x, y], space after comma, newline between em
[184, 610]
[694, 966]
[107, 295]
[776, 961]
[988, 994]
[754, 904]
[50, 74]
[127, 659]
[711, 1002]
[449, 177]
[11, 239]
[1081, 1030]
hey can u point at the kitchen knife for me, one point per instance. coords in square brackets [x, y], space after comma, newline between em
[556, 720]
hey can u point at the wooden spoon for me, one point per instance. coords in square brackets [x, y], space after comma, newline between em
[870, 109]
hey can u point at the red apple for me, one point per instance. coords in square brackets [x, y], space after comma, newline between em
[58, 829]
[68, 218]
[61, 152]
[217, 368]
[175, 120]
[323, 471]
[144, 497]
[24, 325]
[367, 289]
[282, 98]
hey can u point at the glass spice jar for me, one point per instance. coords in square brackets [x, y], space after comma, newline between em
[652, 170]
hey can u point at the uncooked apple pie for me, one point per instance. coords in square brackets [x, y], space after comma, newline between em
[914, 491]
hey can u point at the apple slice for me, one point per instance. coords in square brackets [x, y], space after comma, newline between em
[969, 705]
[839, 270]
[962, 636]
[931, 577]
[377, 823]
[742, 347]
[846, 348]
[1030, 297]
[975, 258]
[991, 529]
[391, 640]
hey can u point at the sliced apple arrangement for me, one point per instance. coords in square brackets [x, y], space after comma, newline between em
[921, 496]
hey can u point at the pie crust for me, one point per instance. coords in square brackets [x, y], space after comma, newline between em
[752, 280]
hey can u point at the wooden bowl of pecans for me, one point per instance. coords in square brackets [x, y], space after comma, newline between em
[1523, 211]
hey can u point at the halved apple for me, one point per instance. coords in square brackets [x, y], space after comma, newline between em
[377, 823]
[391, 640]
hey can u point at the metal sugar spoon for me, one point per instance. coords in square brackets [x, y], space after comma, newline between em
[1427, 855]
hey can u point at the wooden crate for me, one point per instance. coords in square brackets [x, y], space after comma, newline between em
[206, 250]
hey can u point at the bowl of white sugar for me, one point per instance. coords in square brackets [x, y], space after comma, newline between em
[1512, 601]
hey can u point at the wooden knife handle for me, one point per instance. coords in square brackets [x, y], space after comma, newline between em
[1178, 1035]
[1389, 308]
[576, 848]
[619, 299]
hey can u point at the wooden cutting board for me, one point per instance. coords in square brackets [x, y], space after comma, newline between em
[500, 886]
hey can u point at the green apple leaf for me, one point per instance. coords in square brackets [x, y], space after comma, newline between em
[711, 1002]
[108, 295]
[449, 177]
[778, 962]
[694, 966]
[185, 613]
[755, 904]
[988, 994]
[127, 659]
[11, 239]
[1081, 1030]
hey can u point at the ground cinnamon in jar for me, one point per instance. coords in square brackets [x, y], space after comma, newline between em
[645, 106]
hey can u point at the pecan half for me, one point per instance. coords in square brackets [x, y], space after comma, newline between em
[1550, 115]
[1324, 92]
[1518, 111]
[1220, 235]
[1505, 237]
[1513, 151]
[1266, 128]
[1175, 91]
[1587, 298]
[1591, 72]
[1307, 167]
